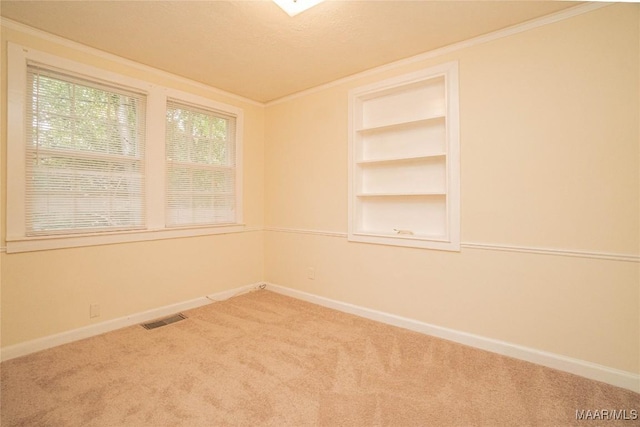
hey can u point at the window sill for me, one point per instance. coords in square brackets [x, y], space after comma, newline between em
[29, 244]
[422, 242]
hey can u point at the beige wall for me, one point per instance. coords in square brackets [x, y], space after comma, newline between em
[48, 292]
[550, 160]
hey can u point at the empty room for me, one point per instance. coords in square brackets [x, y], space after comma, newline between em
[319, 213]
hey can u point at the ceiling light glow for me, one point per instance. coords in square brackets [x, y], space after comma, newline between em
[294, 7]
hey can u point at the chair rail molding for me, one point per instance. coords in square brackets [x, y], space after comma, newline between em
[489, 246]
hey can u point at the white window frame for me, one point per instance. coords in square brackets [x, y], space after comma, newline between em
[17, 240]
[212, 112]
[86, 160]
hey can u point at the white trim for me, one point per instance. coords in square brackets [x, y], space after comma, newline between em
[196, 101]
[489, 246]
[60, 242]
[449, 230]
[16, 119]
[616, 377]
[302, 231]
[155, 155]
[506, 32]
[557, 252]
[28, 347]
[155, 227]
[16, 26]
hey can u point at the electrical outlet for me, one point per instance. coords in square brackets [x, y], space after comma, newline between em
[311, 273]
[94, 310]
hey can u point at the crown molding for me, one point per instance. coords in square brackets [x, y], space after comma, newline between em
[17, 26]
[505, 32]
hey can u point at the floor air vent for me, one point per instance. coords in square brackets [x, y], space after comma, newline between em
[163, 322]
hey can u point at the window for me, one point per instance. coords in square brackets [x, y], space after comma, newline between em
[95, 157]
[200, 166]
[85, 155]
[404, 161]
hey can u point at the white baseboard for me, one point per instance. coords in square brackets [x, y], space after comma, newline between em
[627, 380]
[28, 347]
[624, 379]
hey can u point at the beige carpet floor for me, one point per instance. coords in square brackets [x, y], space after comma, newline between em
[263, 359]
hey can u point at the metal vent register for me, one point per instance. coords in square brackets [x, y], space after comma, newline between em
[163, 322]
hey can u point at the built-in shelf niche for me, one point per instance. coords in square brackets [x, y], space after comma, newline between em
[401, 176]
[404, 157]
[409, 103]
[420, 214]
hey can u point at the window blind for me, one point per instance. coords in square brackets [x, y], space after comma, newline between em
[85, 155]
[201, 166]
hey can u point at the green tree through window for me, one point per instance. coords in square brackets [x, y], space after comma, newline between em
[85, 155]
[200, 166]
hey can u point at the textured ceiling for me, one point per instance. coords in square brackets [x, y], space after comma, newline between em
[254, 49]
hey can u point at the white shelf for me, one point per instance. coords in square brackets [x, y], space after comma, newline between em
[396, 235]
[400, 159]
[401, 103]
[411, 139]
[427, 194]
[423, 215]
[402, 124]
[425, 176]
